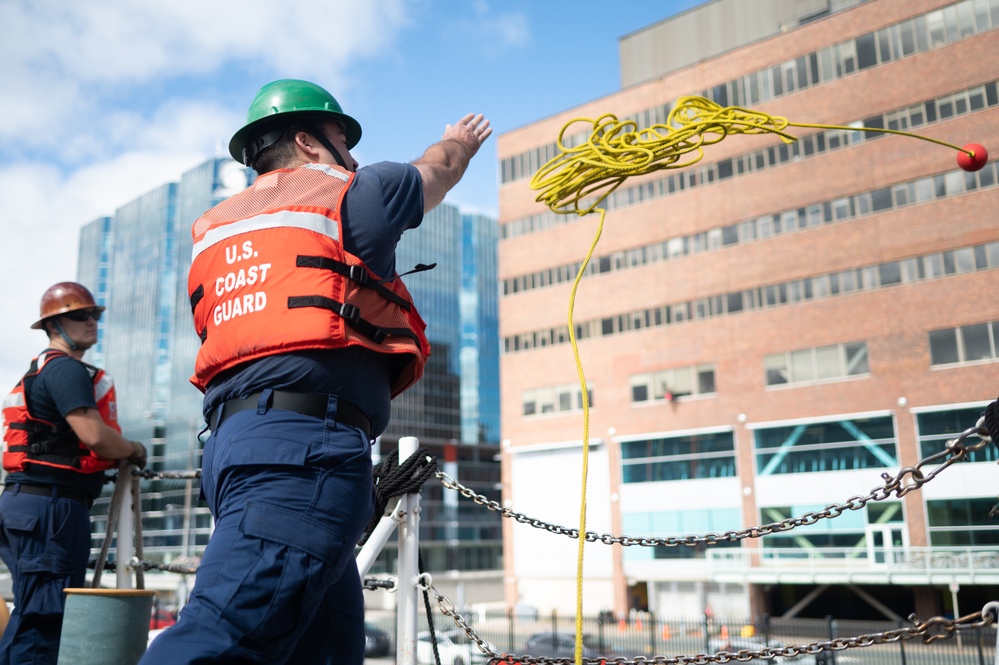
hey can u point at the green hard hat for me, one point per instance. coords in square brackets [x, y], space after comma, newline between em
[281, 100]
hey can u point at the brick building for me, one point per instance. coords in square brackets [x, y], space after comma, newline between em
[765, 333]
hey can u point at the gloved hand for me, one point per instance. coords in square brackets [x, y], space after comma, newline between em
[138, 456]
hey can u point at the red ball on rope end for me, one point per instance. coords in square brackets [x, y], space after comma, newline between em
[975, 161]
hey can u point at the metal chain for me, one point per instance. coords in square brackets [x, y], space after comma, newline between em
[929, 631]
[906, 480]
[149, 474]
[373, 583]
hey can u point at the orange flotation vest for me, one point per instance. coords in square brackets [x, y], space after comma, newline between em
[269, 275]
[30, 440]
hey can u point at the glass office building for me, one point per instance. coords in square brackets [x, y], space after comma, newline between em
[137, 261]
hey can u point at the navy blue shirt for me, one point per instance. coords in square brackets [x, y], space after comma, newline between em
[63, 386]
[384, 200]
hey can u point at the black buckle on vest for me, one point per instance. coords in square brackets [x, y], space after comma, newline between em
[358, 274]
[350, 312]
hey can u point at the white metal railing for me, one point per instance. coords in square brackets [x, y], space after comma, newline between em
[406, 518]
[902, 563]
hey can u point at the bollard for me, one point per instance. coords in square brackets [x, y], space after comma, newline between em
[105, 626]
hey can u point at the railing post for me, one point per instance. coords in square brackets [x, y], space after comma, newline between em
[126, 531]
[832, 636]
[409, 552]
[511, 647]
[901, 644]
[707, 633]
[652, 633]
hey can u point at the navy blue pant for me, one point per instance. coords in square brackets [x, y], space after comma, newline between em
[278, 583]
[45, 543]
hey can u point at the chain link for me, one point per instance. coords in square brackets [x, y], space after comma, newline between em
[929, 631]
[906, 480]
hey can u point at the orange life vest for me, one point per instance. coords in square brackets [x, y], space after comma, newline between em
[269, 275]
[30, 440]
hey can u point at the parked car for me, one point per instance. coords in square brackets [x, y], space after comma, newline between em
[454, 647]
[161, 618]
[376, 641]
[563, 645]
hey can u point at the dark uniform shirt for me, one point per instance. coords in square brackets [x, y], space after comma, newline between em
[63, 386]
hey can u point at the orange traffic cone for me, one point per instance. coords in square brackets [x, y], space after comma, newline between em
[621, 625]
[638, 623]
[666, 634]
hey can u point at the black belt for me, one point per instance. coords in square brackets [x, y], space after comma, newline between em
[46, 490]
[308, 404]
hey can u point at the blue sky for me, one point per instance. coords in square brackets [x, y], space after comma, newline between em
[107, 99]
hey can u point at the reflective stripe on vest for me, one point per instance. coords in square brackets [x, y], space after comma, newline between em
[269, 275]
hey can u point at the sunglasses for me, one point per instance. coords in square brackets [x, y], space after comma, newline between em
[83, 314]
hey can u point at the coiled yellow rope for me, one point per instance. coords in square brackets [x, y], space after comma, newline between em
[577, 180]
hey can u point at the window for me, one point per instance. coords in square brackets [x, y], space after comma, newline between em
[833, 445]
[708, 455]
[671, 384]
[969, 343]
[775, 367]
[678, 523]
[816, 364]
[842, 535]
[566, 398]
[937, 427]
[959, 523]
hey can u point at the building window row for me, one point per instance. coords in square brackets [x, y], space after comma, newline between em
[868, 278]
[818, 446]
[819, 363]
[942, 108]
[842, 209]
[935, 428]
[678, 458]
[847, 533]
[678, 523]
[961, 523]
[937, 28]
[666, 385]
[964, 344]
[834, 445]
[566, 398]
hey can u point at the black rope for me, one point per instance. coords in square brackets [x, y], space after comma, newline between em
[108, 565]
[430, 614]
[393, 480]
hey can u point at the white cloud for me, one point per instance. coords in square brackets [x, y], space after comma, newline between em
[490, 32]
[95, 113]
[62, 59]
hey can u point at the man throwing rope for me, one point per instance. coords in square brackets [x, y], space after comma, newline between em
[307, 334]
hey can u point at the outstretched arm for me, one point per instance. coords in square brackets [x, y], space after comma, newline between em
[443, 164]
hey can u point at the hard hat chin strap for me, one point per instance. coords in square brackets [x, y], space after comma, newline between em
[321, 137]
[66, 338]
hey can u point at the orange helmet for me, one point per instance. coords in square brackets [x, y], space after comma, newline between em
[65, 297]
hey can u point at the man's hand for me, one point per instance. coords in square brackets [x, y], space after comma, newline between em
[138, 456]
[471, 131]
[443, 164]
